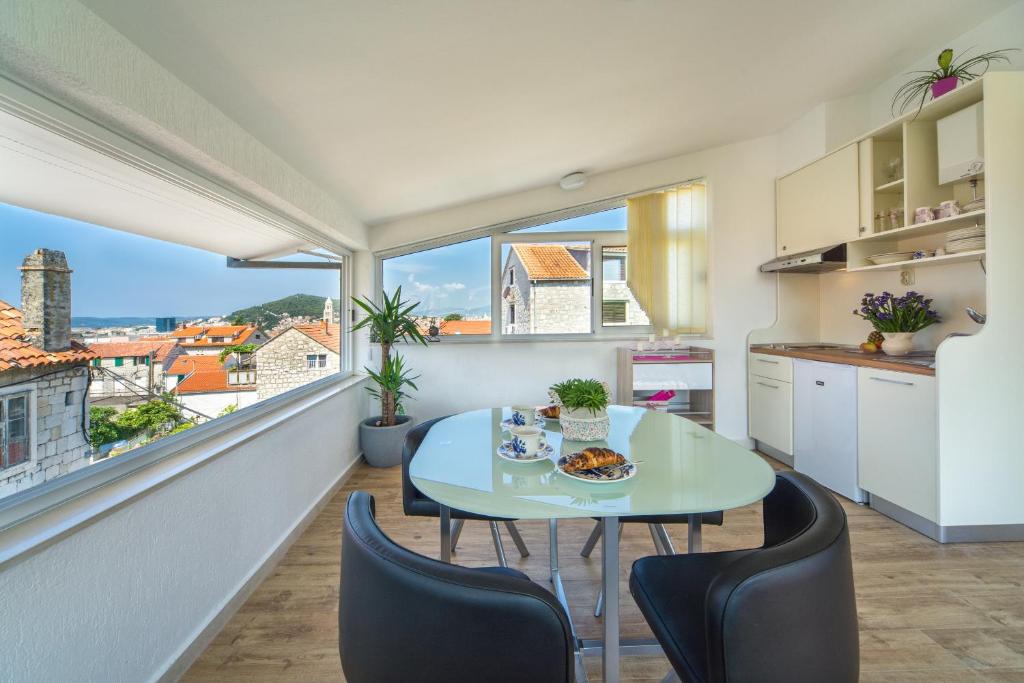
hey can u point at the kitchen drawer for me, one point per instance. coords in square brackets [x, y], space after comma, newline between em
[772, 367]
[897, 439]
[771, 412]
[681, 376]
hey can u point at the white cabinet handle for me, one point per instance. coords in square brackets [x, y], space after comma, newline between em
[764, 360]
[892, 381]
[770, 386]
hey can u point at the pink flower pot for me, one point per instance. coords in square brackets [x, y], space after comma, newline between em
[943, 86]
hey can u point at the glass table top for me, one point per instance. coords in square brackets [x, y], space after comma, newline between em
[681, 468]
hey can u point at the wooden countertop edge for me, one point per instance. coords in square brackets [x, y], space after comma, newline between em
[876, 361]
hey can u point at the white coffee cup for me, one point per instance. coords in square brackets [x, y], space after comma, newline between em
[528, 415]
[526, 441]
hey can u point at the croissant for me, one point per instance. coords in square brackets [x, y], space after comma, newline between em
[550, 411]
[589, 458]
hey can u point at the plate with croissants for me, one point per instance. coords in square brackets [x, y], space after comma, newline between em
[597, 465]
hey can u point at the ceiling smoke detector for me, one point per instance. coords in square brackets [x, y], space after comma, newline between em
[573, 181]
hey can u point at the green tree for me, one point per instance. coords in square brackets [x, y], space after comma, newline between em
[102, 426]
[453, 316]
[154, 415]
[184, 426]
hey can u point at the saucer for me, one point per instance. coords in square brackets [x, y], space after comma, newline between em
[505, 452]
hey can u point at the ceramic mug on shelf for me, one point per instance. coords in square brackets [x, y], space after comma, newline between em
[524, 416]
[526, 441]
[923, 214]
[949, 208]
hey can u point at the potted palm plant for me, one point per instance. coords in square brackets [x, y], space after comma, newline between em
[381, 437]
[584, 403]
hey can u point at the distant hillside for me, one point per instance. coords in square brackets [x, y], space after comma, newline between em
[267, 315]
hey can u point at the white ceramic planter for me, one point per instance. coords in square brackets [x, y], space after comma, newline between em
[898, 343]
[582, 425]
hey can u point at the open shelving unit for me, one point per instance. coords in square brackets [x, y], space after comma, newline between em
[688, 372]
[910, 143]
[944, 260]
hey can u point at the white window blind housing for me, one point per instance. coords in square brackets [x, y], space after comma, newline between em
[67, 173]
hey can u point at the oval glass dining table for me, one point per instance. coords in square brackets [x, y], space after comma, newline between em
[682, 468]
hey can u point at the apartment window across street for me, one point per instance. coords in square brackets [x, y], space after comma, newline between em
[15, 447]
[316, 361]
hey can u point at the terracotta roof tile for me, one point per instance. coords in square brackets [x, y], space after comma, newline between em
[326, 335]
[458, 327]
[183, 365]
[186, 332]
[549, 262]
[226, 330]
[16, 352]
[135, 348]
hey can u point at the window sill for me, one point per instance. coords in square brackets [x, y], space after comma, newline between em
[563, 338]
[52, 510]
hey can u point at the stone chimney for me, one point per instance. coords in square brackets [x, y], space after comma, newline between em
[46, 300]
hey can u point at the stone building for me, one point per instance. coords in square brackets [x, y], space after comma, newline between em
[546, 289]
[297, 356]
[44, 379]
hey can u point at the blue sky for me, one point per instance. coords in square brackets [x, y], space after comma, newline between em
[457, 278]
[120, 274]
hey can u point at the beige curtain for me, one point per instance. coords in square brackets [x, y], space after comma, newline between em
[668, 258]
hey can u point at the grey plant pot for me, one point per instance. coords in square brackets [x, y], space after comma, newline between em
[382, 446]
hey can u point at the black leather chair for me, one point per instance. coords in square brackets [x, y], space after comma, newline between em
[659, 535]
[415, 504]
[404, 617]
[784, 612]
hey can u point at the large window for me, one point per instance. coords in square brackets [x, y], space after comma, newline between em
[144, 339]
[450, 284]
[565, 275]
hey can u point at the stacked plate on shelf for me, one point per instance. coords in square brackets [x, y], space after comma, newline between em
[965, 239]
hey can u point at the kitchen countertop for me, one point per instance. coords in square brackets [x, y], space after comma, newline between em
[850, 355]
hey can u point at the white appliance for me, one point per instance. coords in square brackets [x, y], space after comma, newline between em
[825, 425]
[961, 142]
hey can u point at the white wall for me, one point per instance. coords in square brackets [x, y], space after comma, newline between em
[741, 214]
[118, 600]
[953, 287]
[215, 401]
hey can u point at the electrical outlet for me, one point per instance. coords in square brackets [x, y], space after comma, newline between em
[906, 277]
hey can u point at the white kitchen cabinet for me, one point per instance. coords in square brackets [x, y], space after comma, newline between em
[819, 205]
[771, 412]
[772, 367]
[897, 455]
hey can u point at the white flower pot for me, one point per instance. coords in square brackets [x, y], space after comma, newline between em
[898, 343]
[582, 425]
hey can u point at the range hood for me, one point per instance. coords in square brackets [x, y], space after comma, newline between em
[816, 261]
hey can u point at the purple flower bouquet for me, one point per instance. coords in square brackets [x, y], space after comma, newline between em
[888, 313]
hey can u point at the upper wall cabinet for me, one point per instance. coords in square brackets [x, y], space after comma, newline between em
[819, 205]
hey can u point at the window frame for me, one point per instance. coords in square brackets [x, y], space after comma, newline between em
[31, 398]
[506, 232]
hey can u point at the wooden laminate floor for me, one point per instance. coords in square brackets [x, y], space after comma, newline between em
[928, 612]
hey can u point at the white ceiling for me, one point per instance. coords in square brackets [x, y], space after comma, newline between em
[402, 107]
